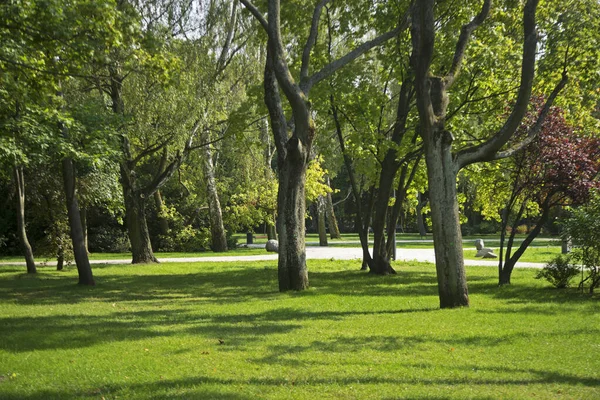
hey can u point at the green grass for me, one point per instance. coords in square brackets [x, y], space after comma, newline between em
[222, 331]
[532, 254]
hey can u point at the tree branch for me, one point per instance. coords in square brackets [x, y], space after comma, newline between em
[463, 40]
[257, 14]
[486, 151]
[333, 66]
[312, 38]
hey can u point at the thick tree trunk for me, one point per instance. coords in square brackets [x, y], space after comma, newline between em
[137, 228]
[292, 270]
[447, 237]
[22, 230]
[321, 221]
[217, 229]
[77, 238]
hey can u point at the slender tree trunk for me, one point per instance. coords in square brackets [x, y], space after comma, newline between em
[510, 263]
[334, 230]
[321, 221]
[77, 238]
[447, 237]
[22, 230]
[381, 259]
[362, 219]
[60, 257]
[420, 219]
[217, 230]
[84, 227]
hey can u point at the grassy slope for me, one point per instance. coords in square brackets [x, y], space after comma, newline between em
[155, 331]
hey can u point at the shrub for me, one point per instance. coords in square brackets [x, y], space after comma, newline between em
[559, 271]
[583, 227]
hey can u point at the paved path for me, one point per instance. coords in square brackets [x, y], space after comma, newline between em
[315, 252]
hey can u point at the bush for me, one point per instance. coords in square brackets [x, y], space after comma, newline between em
[559, 271]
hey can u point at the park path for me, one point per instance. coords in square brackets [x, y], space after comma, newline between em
[316, 252]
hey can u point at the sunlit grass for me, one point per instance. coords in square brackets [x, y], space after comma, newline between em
[542, 254]
[223, 331]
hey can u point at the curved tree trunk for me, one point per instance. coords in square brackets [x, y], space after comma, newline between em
[509, 265]
[21, 229]
[217, 229]
[77, 238]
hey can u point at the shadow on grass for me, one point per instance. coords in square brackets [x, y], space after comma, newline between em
[184, 294]
[204, 387]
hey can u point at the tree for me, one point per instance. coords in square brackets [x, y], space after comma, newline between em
[443, 164]
[583, 226]
[559, 168]
[293, 152]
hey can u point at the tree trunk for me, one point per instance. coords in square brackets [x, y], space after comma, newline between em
[334, 230]
[381, 259]
[447, 237]
[22, 230]
[137, 228]
[291, 198]
[217, 230]
[509, 265]
[163, 223]
[77, 238]
[60, 257]
[84, 227]
[420, 219]
[321, 221]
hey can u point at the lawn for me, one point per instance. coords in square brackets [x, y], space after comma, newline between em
[541, 254]
[222, 331]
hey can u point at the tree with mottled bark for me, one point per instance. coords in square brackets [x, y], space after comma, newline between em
[294, 151]
[443, 161]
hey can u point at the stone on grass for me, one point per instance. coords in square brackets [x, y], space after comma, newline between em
[272, 246]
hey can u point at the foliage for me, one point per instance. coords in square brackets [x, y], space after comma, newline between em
[583, 227]
[559, 271]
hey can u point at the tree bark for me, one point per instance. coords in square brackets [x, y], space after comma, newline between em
[447, 237]
[509, 265]
[292, 270]
[84, 227]
[21, 228]
[217, 229]
[137, 228]
[321, 221]
[334, 230]
[420, 218]
[163, 223]
[77, 238]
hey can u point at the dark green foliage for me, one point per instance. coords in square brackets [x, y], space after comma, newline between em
[583, 227]
[559, 271]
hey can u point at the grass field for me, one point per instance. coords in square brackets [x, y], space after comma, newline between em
[222, 331]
